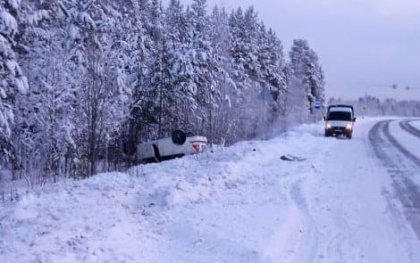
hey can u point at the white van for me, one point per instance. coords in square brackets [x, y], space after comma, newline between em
[339, 121]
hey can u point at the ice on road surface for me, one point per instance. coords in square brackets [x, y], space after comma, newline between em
[338, 203]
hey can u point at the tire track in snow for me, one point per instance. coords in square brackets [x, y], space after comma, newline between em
[336, 246]
[397, 145]
[387, 148]
[376, 141]
[309, 247]
[405, 125]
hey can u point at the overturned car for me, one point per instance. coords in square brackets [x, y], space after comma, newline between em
[178, 145]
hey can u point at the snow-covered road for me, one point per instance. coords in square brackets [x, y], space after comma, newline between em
[342, 201]
[397, 144]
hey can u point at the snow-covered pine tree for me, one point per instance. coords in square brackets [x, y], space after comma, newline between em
[298, 57]
[43, 134]
[12, 79]
[90, 23]
[239, 74]
[113, 34]
[316, 78]
[160, 60]
[247, 75]
[237, 53]
[245, 31]
[175, 19]
[266, 103]
[204, 68]
[272, 62]
[224, 122]
[133, 46]
[251, 36]
[147, 113]
[179, 43]
[307, 71]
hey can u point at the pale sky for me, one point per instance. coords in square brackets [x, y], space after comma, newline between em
[363, 45]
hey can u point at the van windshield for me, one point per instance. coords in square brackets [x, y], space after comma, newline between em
[339, 116]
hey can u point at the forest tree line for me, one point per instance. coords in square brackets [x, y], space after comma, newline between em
[373, 106]
[83, 81]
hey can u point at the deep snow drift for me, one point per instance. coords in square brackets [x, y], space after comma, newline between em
[238, 204]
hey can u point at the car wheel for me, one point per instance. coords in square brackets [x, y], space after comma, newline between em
[327, 134]
[179, 137]
[349, 135]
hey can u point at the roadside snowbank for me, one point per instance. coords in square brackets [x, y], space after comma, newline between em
[135, 215]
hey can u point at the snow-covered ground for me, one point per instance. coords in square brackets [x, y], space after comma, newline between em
[336, 203]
